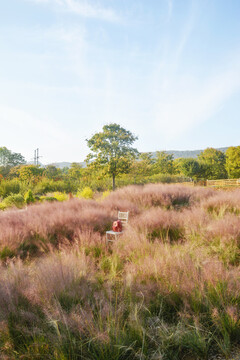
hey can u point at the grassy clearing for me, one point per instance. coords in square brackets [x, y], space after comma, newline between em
[168, 289]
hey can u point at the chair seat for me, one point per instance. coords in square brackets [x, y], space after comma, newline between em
[111, 232]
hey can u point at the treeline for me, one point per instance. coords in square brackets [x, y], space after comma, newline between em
[18, 177]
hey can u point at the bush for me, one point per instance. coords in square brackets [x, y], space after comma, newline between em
[29, 197]
[3, 206]
[13, 200]
[49, 198]
[105, 194]
[86, 193]
[8, 187]
[60, 196]
[46, 185]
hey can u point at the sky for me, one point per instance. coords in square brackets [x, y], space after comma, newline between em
[167, 70]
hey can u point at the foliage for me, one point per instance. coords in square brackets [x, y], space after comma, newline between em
[75, 171]
[233, 162]
[52, 172]
[143, 166]
[60, 196]
[86, 193]
[9, 158]
[13, 200]
[105, 194]
[214, 163]
[163, 163]
[45, 186]
[30, 173]
[28, 197]
[111, 150]
[8, 187]
[189, 167]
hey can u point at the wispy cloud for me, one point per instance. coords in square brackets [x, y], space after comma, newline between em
[186, 101]
[85, 8]
[170, 9]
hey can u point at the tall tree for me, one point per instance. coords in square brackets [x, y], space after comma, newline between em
[111, 150]
[163, 163]
[233, 161]
[52, 172]
[75, 171]
[143, 166]
[9, 158]
[189, 167]
[30, 173]
[214, 162]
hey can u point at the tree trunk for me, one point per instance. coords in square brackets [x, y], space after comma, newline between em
[113, 182]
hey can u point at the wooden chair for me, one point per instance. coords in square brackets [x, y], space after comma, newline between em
[123, 217]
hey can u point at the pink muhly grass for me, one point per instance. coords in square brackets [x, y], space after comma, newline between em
[55, 273]
[52, 220]
[223, 201]
[43, 280]
[161, 195]
[157, 223]
[225, 228]
[172, 271]
[114, 205]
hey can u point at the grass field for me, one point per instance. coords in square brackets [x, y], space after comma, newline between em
[167, 289]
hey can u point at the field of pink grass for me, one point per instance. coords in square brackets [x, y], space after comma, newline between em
[167, 289]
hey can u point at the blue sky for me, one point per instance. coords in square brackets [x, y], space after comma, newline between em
[168, 70]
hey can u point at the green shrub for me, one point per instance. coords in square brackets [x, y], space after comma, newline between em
[29, 197]
[8, 187]
[86, 193]
[3, 206]
[50, 198]
[60, 196]
[48, 185]
[6, 253]
[106, 194]
[13, 200]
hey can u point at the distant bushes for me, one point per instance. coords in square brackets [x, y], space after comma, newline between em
[47, 185]
[86, 193]
[16, 200]
[8, 187]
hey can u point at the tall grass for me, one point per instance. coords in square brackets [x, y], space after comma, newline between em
[167, 289]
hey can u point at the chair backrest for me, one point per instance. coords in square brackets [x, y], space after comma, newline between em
[123, 216]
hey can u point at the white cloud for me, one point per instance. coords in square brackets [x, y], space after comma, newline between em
[83, 8]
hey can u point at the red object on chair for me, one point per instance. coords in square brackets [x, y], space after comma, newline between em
[117, 226]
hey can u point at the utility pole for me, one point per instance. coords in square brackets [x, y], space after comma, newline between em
[36, 157]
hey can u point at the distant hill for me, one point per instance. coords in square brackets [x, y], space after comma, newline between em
[187, 153]
[63, 164]
[176, 154]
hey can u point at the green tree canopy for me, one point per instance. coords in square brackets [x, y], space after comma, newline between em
[163, 163]
[143, 166]
[75, 171]
[189, 167]
[111, 149]
[9, 158]
[233, 161]
[30, 173]
[214, 162]
[52, 172]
